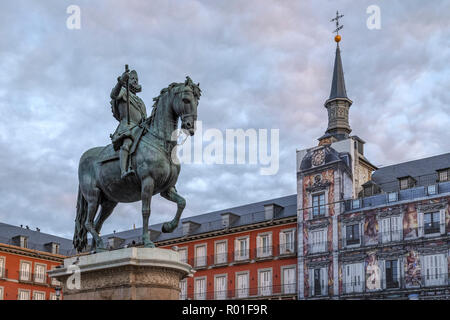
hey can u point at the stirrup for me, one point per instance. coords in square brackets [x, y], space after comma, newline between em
[127, 173]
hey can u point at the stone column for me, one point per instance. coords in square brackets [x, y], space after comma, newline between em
[124, 274]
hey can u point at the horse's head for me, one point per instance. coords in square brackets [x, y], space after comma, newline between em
[185, 104]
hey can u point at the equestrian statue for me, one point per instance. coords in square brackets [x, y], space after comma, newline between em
[140, 161]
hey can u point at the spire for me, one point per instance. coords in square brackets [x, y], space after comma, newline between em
[338, 84]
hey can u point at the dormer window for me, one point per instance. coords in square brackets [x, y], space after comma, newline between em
[407, 182]
[444, 175]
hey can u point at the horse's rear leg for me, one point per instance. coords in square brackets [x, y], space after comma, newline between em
[106, 208]
[147, 188]
[172, 195]
[93, 199]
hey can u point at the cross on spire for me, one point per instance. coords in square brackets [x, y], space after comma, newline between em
[338, 27]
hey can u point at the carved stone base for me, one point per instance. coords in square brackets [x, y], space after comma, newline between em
[124, 274]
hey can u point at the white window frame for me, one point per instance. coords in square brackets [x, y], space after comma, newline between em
[265, 290]
[2, 267]
[384, 273]
[2, 293]
[200, 261]
[289, 287]
[36, 274]
[183, 249]
[421, 223]
[53, 296]
[318, 239]
[19, 294]
[392, 197]
[432, 189]
[344, 234]
[221, 258]
[285, 247]
[354, 277]
[35, 292]
[183, 289]
[242, 292]
[323, 281]
[220, 294]
[200, 295]
[238, 256]
[357, 202]
[22, 272]
[261, 250]
[319, 206]
[391, 235]
[310, 199]
[435, 269]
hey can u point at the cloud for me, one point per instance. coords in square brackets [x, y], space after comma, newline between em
[260, 64]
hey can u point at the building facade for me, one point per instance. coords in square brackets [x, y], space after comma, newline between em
[367, 232]
[25, 258]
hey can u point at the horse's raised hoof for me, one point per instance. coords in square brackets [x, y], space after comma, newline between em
[167, 227]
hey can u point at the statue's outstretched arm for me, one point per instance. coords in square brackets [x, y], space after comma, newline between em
[116, 90]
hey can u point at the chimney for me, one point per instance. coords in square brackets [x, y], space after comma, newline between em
[52, 247]
[271, 211]
[228, 219]
[189, 227]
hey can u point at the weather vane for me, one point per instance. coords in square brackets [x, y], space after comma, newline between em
[338, 27]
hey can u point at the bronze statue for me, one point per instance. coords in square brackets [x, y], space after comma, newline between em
[104, 176]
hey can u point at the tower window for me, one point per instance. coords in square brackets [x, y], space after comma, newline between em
[318, 204]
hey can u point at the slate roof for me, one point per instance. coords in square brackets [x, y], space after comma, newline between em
[338, 83]
[248, 214]
[36, 239]
[422, 170]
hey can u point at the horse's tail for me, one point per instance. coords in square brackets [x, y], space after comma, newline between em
[80, 235]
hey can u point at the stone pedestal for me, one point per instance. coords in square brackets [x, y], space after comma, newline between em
[124, 274]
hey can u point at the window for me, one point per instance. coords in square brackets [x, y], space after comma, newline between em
[431, 222]
[353, 280]
[435, 270]
[356, 204]
[392, 196]
[318, 240]
[23, 295]
[221, 252]
[318, 205]
[391, 229]
[220, 287]
[432, 189]
[24, 242]
[265, 282]
[264, 245]
[53, 296]
[404, 183]
[241, 249]
[55, 248]
[200, 289]
[242, 285]
[25, 271]
[183, 252]
[183, 289]
[289, 283]
[38, 295]
[352, 234]
[39, 273]
[443, 175]
[392, 274]
[318, 281]
[200, 256]
[2, 267]
[1, 293]
[287, 241]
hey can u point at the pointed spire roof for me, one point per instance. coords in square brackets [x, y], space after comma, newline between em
[338, 84]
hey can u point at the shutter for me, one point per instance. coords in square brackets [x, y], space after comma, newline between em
[270, 244]
[400, 227]
[236, 249]
[324, 281]
[360, 274]
[258, 246]
[420, 222]
[383, 273]
[442, 221]
[440, 269]
[311, 282]
[344, 236]
[283, 244]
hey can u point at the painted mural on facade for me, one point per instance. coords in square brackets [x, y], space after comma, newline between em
[371, 229]
[410, 221]
[373, 272]
[413, 276]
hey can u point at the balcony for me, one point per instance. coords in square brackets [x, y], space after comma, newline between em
[265, 292]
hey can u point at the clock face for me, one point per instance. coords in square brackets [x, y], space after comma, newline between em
[318, 157]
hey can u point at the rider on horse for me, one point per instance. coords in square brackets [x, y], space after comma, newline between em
[130, 111]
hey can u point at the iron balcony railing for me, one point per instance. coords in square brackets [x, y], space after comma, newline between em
[244, 293]
[266, 252]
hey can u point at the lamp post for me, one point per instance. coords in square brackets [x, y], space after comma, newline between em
[58, 293]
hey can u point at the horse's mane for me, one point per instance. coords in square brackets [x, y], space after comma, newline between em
[174, 85]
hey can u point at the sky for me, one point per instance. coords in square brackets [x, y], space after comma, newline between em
[262, 64]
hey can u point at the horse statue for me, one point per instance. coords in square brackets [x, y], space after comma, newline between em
[156, 168]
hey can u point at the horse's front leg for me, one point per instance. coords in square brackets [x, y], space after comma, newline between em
[172, 195]
[148, 185]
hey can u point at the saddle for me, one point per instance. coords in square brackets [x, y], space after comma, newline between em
[109, 153]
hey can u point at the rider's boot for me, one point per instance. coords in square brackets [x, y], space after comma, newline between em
[125, 171]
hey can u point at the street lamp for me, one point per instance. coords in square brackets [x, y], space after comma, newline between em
[58, 293]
